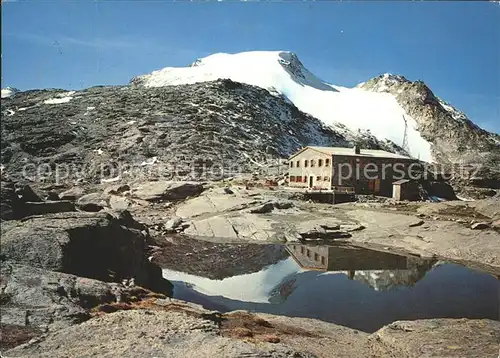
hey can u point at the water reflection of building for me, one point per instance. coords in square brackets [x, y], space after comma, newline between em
[380, 270]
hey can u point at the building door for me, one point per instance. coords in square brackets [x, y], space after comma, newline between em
[311, 178]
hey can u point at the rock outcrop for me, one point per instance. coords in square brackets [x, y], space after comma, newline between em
[168, 328]
[57, 266]
[166, 190]
[93, 245]
[455, 139]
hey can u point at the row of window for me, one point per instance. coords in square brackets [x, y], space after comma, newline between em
[311, 162]
[299, 179]
[307, 252]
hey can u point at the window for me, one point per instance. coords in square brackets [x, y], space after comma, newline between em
[308, 253]
[316, 257]
[291, 164]
[305, 179]
[318, 178]
[292, 178]
[320, 162]
[298, 164]
[302, 249]
[312, 163]
[298, 179]
[306, 163]
[327, 162]
[322, 260]
[326, 178]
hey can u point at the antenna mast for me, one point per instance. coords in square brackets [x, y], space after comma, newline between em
[405, 137]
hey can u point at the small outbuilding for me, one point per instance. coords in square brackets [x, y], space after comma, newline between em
[405, 189]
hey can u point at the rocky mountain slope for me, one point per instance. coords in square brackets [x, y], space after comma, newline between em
[390, 107]
[111, 133]
[454, 138]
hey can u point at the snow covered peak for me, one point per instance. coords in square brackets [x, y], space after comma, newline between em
[383, 81]
[9, 92]
[389, 77]
[282, 73]
[277, 71]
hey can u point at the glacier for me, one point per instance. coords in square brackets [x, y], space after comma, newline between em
[282, 73]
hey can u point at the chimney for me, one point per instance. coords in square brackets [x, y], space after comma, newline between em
[356, 149]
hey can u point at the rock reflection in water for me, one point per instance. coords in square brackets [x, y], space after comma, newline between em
[355, 287]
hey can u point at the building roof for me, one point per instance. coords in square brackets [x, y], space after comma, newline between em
[401, 181]
[371, 153]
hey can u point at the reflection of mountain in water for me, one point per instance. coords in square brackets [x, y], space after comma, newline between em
[388, 279]
[216, 260]
[359, 293]
[380, 270]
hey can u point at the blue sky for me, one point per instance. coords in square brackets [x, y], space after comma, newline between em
[453, 46]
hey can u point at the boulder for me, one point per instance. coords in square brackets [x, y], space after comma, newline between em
[26, 194]
[37, 297]
[440, 189]
[330, 226]
[317, 230]
[52, 196]
[158, 191]
[283, 205]
[352, 227]
[119, 202]
[9, 201]
[480, 226]
[44, 299]
[47, 207]
[270, 206]
[94, 245]
[416, 223]
[328, 235]
[116, 189]
[92, 202]
[173, 223]
[263, 209]
[72, 194]
[440, 338]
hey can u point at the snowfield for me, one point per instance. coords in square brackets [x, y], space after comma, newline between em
[282, 73]
[8, 92]
[60, 99]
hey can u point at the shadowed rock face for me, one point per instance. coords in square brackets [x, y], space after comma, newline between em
[57, 267]
[454, 138]
[93, 245]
